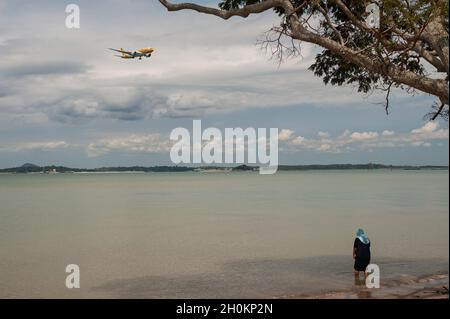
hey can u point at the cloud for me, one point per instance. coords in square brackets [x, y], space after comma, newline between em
[72, 77]
[289, 142]
[323, 142]
[44, 68]
[364, 136]
[134, 143]
[121, 103]
[387, 133]
[352, 141]
[427, 128]
[285, 134]
[420, 143]
[67, 82]
[31, 146]
[298, 140]
[323, 135]
[430, 131]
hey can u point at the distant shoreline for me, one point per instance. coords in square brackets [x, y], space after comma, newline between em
[52, 169]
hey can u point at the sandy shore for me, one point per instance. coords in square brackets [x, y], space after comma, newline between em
[408, 287]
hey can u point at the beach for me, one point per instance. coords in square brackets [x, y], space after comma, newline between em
[406, 287]
[220, 235]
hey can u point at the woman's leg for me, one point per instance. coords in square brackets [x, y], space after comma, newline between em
[357, 281]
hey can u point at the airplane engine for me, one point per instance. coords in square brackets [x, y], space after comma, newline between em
[148, 55]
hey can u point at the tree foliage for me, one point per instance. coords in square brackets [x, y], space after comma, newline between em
[407, 48]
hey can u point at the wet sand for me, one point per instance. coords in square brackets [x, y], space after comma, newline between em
[407, 287]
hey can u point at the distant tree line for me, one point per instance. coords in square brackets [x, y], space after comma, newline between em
[31, 168]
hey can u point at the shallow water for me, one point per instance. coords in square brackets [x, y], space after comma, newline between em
[216, 234]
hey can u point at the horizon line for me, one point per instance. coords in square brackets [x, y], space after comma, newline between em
[31, 165]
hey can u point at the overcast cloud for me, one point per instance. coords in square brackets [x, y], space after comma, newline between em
[65, 98]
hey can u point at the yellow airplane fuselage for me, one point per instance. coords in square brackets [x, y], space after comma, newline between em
[146, 50]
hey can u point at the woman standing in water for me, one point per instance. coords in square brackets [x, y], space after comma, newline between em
[361, 253]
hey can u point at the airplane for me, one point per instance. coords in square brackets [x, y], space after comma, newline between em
[145, 52]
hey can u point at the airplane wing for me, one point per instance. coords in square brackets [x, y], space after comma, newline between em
[122, 51]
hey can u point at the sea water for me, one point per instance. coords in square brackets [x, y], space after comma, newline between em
[194, 235]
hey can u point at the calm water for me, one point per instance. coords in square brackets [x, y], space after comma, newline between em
[214, 234]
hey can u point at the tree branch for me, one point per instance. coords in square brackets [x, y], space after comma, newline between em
[438, 112]
[433, 60]
[360, 24]
[433, 34]
[330, 24]
[224, 14]
[437, 87]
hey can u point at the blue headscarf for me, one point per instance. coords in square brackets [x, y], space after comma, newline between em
[362, 237]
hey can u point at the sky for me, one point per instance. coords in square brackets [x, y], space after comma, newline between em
[66, 100]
